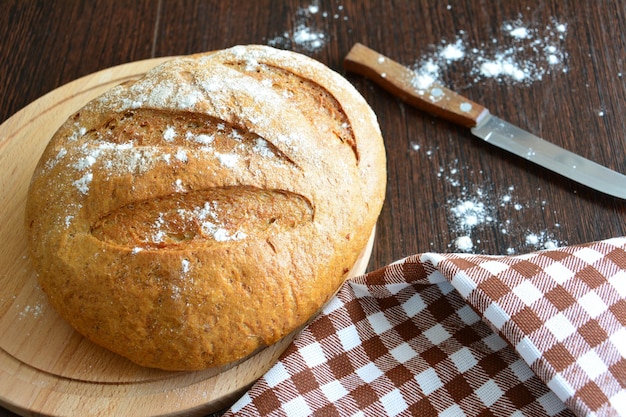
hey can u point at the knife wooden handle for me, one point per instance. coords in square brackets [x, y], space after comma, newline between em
[405, 84]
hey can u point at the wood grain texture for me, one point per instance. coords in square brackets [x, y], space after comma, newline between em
[434, 166]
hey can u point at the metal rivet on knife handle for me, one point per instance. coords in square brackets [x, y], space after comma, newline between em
[425, 94]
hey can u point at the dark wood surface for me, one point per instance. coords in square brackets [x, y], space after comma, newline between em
[434, 168]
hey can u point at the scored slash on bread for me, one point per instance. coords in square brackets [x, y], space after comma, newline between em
[186, 219]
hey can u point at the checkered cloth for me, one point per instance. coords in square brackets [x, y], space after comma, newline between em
[457, 334]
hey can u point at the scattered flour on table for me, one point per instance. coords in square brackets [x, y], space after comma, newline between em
[478, 211]
[471, 212]
[306, 34]
[474, 212]
[523, 53]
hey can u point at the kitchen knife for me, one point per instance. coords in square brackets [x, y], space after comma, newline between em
[429, 96]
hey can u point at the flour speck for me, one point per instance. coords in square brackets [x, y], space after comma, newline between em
[34, 311]
[308, 37]
[464, 243]
[185, 266]
[228, 160]
[453, 52]
[82, 184]
[532, 239]
[181, 155]
[169, 134]
[470, 213]
[518, 32]
[307, 34]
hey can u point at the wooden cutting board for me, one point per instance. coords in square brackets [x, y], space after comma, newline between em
[45, 366]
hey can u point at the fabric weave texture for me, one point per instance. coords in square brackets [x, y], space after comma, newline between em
[540, 334]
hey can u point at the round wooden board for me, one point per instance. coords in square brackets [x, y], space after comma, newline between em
[46, 368]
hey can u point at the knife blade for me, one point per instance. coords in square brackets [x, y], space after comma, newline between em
[430, 96]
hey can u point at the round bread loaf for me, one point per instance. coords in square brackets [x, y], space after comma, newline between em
[186, 219]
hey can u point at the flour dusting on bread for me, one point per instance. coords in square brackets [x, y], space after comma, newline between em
[189, 218]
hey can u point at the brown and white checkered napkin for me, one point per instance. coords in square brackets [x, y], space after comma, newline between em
[457, 334]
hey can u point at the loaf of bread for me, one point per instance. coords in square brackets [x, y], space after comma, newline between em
[186, 219]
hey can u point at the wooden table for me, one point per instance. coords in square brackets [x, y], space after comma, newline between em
[555, 68]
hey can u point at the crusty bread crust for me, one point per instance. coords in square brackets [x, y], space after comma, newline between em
[208, 209]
